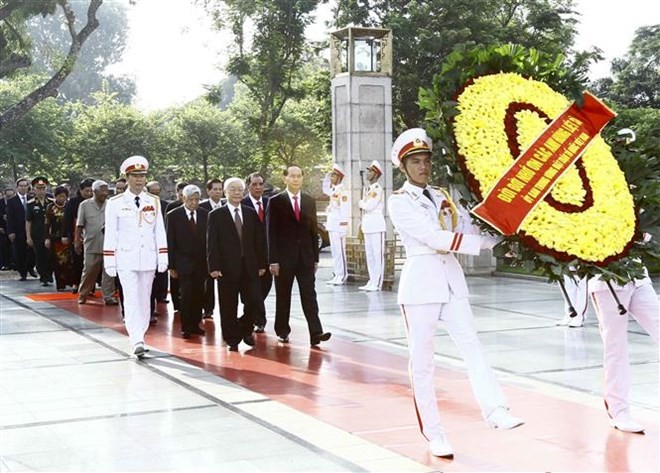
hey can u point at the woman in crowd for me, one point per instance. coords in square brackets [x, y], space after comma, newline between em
[54, 230]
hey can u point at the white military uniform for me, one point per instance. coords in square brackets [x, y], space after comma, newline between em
[641, 301]
[373, 228]
[433, 287]
[338, 214]
[135, 245]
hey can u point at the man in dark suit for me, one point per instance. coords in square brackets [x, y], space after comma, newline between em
[174, 283]
[236, 257]
[16, 212]
[6, 261]
[256, 200]
[186, 247]
[159, 287]
[214, 192]
[293, 253]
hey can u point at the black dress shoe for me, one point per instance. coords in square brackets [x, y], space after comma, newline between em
[32, 273]
[187, 335]
[198, 331]
[259, 329]
[45, 283]
[23, 278]
[249, 340]
[233, 347]
[322, 337]
[283, 339]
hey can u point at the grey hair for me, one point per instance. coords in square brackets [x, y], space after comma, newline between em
[232, 180]
[190, 189]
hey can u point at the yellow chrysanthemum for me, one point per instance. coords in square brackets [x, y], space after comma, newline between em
[598, 231]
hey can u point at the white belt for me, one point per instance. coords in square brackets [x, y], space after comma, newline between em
[423, 250]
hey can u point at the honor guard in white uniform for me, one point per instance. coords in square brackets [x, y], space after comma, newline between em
[338, 214]
[433, 287]
[373, 227]
[641, 302]
[135, 247]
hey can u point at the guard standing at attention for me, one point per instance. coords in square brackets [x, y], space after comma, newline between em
[338, 213]
[373, 228]
[135, 247]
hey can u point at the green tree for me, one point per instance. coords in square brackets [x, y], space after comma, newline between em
[635, 76]
[36, 143]
[106, 47]
[268, 61]
[426, 31]
[104, 134]
[13, 14]
[199, 141]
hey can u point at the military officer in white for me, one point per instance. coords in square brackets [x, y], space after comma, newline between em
[373, 228]
[641, 302]
[433, 287]
[338, 214]
[135, 247]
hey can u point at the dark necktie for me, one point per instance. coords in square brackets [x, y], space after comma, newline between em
[427, 194]
[193, 227]
[239, 227]
[24, 202]
[137, 201]
[296, 208]
[260, 211]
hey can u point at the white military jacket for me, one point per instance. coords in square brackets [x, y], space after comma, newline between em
[135, 238]
[431, 270]
[372, 205]
[339, 208]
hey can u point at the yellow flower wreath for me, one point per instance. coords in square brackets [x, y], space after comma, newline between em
[589, 214]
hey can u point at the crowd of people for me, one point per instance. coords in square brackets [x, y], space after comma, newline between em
[239, 242]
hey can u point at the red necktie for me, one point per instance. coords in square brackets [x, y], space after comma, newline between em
[296, 209]
[261, 212]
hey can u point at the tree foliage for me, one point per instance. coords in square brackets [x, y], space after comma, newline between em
[426, 31]
[13, 11]
[36, 142]
[269, 51]
[50, 41]
[636, 76]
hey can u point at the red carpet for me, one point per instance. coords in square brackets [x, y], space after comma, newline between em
[365, 391]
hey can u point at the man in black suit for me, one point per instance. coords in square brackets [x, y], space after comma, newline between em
[236, 257]
[293, 253]
[256, 200]
[16, 212]
[214, 192]
[159, 287]
[174, 283]
[186, 247]
[6, 261]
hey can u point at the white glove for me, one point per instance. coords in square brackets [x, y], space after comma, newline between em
[112, 272]
[162, 267]
[488, 242]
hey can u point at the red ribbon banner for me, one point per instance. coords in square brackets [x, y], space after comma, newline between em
[535, 172]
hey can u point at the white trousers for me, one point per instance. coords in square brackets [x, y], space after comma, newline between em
[577, 293]
[137, 304]
[374, 247]
[421, 321]
[338, 250]
[642, 305]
